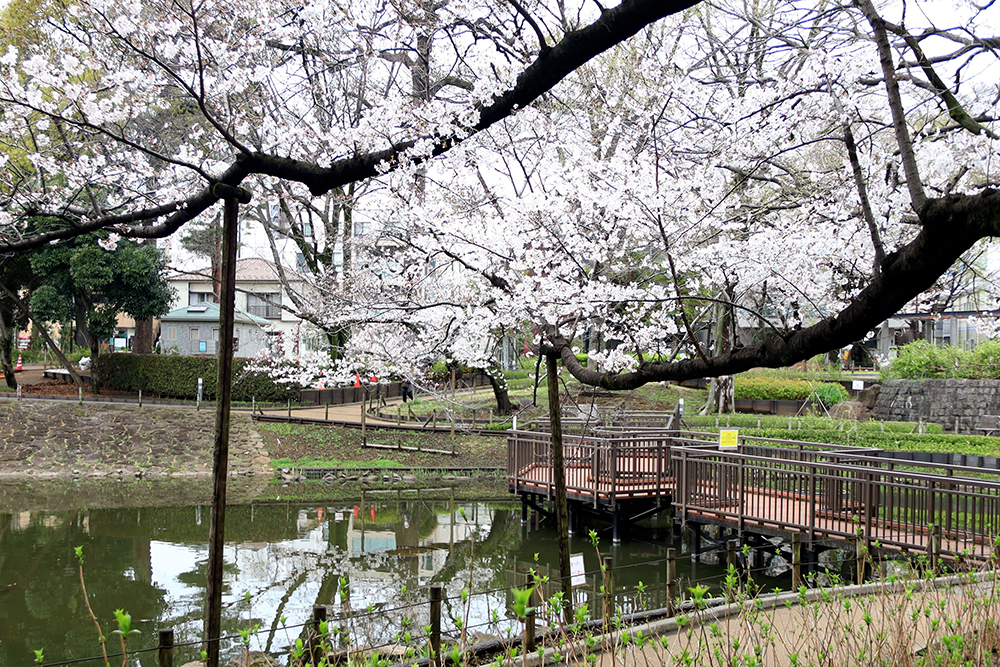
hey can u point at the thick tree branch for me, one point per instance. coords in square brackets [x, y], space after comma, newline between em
[917, 197]
[949, 227]
[548, 69]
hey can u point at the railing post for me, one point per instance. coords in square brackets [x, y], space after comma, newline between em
[529, 625]
[671, 581]
[870, 508]
[165, 654]
[684, 494]
[315, 641]
[796, 561]
[740, 480]
[609, 588]
[435, 635]
[595, 455]
[930, 503]
[614, 471]
[861, 554]
[934, 547]
[812, 505]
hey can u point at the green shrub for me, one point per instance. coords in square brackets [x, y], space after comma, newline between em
[176, 376]
[777, 388]
[37, 356]
[831, 392]
[805, 423]
[870, 438]
[921, 360]
[985, 360]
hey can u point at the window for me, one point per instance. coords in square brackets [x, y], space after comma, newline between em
[266, 304]
[194, 298]
[171, 333]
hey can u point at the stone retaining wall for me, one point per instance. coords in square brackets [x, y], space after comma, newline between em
[939, 401]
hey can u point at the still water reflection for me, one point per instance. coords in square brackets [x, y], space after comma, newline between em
[287, 557]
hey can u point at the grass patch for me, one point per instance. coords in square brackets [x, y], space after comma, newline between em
[309, 462]
[335, 446]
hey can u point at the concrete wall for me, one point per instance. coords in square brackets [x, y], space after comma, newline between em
[939, 401]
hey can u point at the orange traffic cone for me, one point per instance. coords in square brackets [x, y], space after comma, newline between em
[19, 367]
[357, 380]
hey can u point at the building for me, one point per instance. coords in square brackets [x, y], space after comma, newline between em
[194, 330]
[260, 295]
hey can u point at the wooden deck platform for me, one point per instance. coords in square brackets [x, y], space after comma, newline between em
[830, 496]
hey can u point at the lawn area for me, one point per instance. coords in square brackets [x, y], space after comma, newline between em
[310, 445]
[649, 397]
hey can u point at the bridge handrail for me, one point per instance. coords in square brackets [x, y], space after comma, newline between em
[846, 461]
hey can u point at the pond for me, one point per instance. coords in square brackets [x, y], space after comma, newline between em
[280, 560]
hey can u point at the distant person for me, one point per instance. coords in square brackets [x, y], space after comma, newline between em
[407, 389]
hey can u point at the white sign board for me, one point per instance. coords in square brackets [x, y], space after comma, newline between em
[576, 570]
[338, 516]
[858, 385]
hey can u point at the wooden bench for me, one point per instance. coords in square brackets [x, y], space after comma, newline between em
[989, 425]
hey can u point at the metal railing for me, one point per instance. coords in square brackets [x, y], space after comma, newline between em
[826, 493]
[841, 496]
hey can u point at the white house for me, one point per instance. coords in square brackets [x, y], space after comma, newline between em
[194, 330]
[259, 293]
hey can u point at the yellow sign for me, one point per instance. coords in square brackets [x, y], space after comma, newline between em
[729, 438]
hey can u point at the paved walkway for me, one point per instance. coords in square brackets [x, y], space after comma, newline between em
[877, 623]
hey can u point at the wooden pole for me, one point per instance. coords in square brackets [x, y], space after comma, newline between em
[672, 581]
[529, 623]
[216, 540]
[559, 475]
[435, 634]
[165, 654]
[796, 561]
[315, 640]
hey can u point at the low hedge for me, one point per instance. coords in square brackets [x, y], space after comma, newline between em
[904, 442]
[804, 423]
[921, 360]
[890, 441]
[776, 388]
[176, 376]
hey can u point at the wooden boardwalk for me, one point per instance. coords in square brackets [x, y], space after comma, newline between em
[830, 496]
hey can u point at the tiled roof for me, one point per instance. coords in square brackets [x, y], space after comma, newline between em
[250, 269]
[209, 312]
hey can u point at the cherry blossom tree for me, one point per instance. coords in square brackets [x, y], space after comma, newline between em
[785, 171]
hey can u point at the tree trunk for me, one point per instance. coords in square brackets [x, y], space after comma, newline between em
[559, 476]
[720, 392]
[6, 352]
[500, 392]
[48, 339]
[95, 351]
[142, 342]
